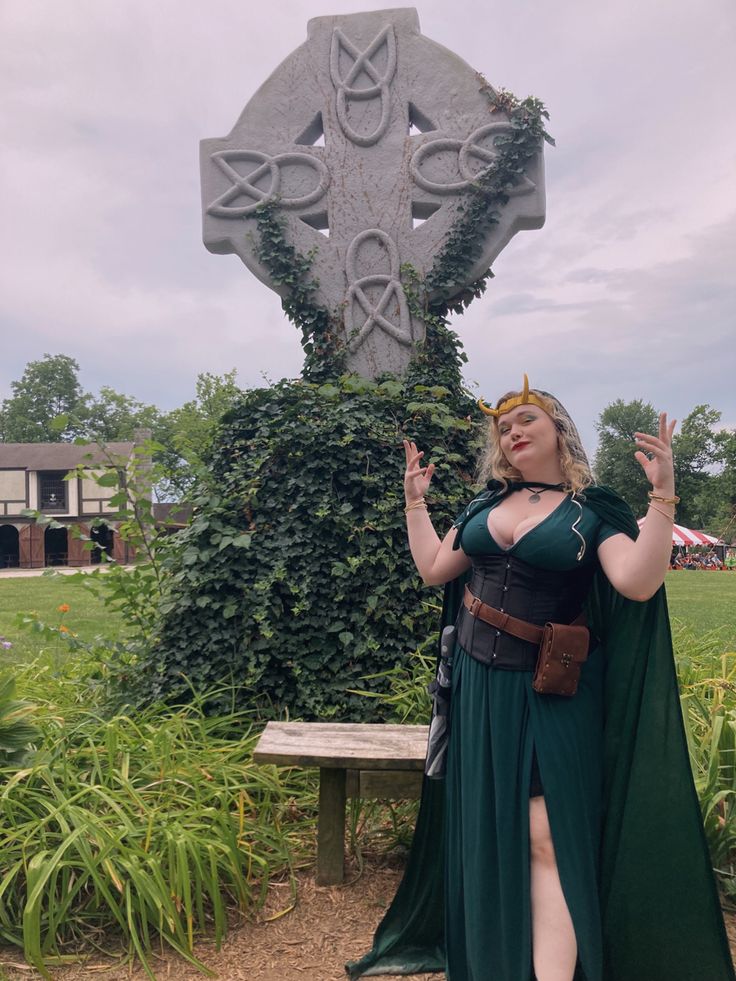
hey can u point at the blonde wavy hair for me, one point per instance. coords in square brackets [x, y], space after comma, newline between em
[576, 472]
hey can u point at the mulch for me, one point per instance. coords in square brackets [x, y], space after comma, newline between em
[327, 926]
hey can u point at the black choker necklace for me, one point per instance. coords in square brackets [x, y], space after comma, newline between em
[537, 487]
[535, 497]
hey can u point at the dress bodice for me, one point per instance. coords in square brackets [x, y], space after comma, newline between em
[552, 544]
[543, 577]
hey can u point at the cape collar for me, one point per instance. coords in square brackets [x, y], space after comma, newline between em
[605, 502]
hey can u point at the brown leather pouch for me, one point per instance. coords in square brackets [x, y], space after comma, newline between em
[563, 650]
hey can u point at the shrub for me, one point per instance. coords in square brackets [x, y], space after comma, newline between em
[295, 576]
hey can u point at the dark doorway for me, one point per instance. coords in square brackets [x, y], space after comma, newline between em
[102, 536]
[56, 547]
[9, 547]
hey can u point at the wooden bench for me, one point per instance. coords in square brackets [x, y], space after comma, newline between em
[354, 760]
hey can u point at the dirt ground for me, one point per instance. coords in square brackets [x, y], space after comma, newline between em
[328, 926]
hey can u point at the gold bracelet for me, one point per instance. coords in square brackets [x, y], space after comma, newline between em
[663, 500]
[415, 504]
[670, 517]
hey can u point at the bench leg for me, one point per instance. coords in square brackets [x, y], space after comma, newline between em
[331, 826]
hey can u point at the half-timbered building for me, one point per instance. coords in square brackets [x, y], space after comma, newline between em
[44, 477]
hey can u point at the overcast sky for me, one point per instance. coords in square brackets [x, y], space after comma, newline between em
[629, 291]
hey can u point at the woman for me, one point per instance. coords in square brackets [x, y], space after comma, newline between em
[550, 817]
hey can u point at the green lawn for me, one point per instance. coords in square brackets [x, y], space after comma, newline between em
[87, 617]
[704, 601]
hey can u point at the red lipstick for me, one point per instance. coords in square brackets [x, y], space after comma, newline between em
[519, 446]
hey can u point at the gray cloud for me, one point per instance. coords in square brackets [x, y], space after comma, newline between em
[664, 333]
[626, 292]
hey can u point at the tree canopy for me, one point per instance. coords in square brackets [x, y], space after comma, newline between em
[615, 465]
[184, 433]
[48, 389]
[705, 462]
[48, 405]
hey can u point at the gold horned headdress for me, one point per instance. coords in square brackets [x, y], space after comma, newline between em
[525, 398]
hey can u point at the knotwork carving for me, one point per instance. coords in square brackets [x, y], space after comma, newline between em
[362, 63]
[393, 291]
[466, 150]
[376, 90]
[245, 184]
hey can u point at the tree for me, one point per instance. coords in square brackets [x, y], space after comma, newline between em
[727, 439]
[114, 416]
[707, 490]
[48, 405]
[614, 461]
[697, 452]
[48, 389]
[185, 433]
[716, 500]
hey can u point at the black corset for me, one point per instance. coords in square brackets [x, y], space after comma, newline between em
[537, 595]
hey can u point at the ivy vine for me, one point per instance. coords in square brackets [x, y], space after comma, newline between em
[490, 190]
[439, 357]
[322, 335]
[321, 330]
[295, 574]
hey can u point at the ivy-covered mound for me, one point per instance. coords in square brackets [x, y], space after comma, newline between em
[295, 575]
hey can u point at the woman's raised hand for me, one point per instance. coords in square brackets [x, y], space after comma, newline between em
[655, 456]
[416, 479]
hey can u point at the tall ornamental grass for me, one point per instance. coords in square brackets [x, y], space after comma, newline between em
[153, 828]
[708, 687]
[157, 828]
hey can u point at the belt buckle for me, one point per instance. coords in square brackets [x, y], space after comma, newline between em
[475, 606]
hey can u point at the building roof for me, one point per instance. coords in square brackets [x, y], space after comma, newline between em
[59, 456]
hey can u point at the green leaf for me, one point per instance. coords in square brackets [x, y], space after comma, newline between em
[109, 479]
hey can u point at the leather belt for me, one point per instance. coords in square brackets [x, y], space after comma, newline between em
[504, 621]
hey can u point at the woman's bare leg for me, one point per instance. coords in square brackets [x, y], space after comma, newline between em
[553, 937]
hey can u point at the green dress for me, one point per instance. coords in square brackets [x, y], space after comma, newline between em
[623, 810]
[497, 722]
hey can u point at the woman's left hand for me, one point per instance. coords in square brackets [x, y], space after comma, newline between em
[655, 456]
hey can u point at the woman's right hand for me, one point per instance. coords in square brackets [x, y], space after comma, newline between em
[416, 479]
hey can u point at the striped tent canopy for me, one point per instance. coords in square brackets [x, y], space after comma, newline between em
[687, 536]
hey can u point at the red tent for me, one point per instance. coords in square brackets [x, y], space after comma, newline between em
[687, 536]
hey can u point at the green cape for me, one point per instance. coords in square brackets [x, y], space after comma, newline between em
[660, 909]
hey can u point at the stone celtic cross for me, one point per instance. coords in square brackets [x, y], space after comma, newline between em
[366, 138]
